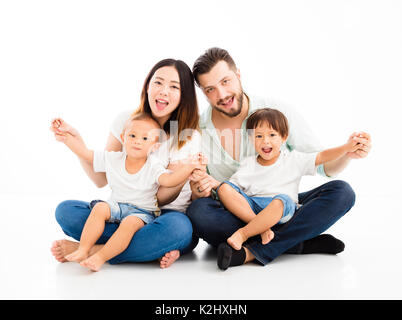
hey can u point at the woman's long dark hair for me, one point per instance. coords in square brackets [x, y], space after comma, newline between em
[186, 113]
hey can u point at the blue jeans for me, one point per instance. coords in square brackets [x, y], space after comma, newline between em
[121, 210]
[257, 204]
[321, 208]
[172, 230]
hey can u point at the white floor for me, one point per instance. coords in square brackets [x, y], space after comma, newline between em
[369, 268]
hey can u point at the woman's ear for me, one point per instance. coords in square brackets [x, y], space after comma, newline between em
[122, 136]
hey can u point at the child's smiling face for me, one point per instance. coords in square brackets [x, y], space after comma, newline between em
[267, 143]
[139, 137]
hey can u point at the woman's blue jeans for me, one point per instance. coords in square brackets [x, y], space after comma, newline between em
[320, 209]
[172, 230]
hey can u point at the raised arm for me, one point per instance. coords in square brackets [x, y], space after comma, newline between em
[73, 142]
[181, 175]
[112, 144]
[333, 154]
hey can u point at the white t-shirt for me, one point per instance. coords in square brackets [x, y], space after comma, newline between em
[139, 188]
[166, 154]
[222, 166]
[282, 177]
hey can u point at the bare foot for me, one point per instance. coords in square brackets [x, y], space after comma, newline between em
[267, 236]
[78, 255]
[61, 248]
[236, 239]
[93, 263]
[168, 259]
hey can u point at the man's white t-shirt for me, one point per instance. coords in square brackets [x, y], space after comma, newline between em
[139, 188]
[282, 177]
[167, 153]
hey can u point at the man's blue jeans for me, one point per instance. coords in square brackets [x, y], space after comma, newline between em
[321, 208]
[172, 230]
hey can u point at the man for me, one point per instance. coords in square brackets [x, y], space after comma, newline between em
[225, 145]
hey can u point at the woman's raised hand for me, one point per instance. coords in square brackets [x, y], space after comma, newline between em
[61, 129]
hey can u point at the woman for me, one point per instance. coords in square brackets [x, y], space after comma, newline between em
[168, 94]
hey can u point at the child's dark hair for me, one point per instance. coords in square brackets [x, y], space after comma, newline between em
[274, 118]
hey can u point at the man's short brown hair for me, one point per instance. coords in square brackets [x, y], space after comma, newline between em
[275, 119]
[209, 59]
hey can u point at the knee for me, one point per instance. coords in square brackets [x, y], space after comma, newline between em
[179, 224]
[223, 188]
[101, 210]
[345, 194]
[62, 211]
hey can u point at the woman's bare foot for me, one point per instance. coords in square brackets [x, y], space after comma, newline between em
[94, 262]
[236, 239]
[78, 255]
[267, 236]
[168, 259]
[61, 248]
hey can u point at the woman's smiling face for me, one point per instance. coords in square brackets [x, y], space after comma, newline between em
[164, 92]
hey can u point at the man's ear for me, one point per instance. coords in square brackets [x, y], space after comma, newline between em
[238, 74]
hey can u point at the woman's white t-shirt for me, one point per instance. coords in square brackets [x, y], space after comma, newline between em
[166, 154]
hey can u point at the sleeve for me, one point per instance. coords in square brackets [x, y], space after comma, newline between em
[118, 124]
[305, 162]
[99, 163]
[157, 168]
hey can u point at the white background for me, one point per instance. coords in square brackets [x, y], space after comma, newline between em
[337, 62]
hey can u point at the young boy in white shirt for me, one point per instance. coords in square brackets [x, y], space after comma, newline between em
[134, 177]
[264, 190]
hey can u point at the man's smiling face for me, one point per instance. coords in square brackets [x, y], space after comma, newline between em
[222, 87]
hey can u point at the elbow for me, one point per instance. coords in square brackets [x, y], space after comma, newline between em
[100, 184]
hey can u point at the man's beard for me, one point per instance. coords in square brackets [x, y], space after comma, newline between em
[234, 113]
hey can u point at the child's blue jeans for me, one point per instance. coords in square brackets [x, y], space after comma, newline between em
[121, 210]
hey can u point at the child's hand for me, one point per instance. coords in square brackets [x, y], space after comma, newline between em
[364, 145]
[197, 161]
[353, 144]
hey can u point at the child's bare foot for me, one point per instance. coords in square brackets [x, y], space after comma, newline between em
[61, 248]
[168, 259]
[93, 263]
[78, 255]
[267, 236]
[236, 239]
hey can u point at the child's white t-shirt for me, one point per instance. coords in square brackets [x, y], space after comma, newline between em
[139, 188]
[166, 154]
[282, 177]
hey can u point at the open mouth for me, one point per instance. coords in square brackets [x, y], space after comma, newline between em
[161, 104]
[266, 150]
[228, 103]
